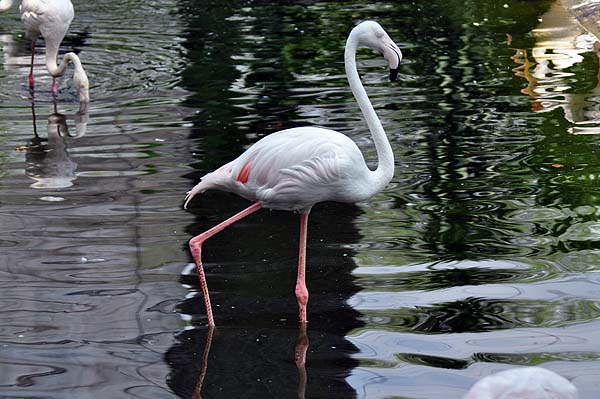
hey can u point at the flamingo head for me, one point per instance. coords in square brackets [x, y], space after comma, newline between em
[370, 34]
[82, 85]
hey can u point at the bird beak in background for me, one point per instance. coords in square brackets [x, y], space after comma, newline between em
[394, 74]
[393, 55]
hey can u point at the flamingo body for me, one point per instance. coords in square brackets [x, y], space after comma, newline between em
[296, 168]
[523, 383]
[49, 18]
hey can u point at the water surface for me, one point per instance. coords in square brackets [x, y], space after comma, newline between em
[481, 255]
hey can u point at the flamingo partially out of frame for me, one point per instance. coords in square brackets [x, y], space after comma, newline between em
[51, 19]
[523, 383]
[296, 168]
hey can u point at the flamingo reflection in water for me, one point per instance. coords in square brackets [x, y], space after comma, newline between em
[48, 160]
[49, 164]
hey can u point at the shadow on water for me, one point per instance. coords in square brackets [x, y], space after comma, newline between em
[252, 353]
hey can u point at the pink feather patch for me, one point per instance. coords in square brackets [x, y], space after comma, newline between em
[244, 174]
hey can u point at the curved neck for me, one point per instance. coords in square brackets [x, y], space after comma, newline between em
[5, 5]
[385, 156]
[52, 58]
[80, 78]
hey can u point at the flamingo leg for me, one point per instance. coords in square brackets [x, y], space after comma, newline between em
[31, 79]
[196, 249]
[301, 290]
[54, 91]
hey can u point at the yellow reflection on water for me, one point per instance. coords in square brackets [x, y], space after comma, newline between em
[560, 43]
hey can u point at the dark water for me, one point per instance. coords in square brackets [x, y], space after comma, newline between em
[483, 253]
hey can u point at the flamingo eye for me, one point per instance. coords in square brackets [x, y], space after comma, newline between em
[379, 34]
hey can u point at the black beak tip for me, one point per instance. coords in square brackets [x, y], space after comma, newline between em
[394, 74]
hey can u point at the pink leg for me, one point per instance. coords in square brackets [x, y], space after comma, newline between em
[301, 290]
[53, 85]
[196, 248]
[31, 79]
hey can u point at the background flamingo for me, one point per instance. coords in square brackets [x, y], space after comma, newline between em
[295, 168]
[523, 383]
[51, 19]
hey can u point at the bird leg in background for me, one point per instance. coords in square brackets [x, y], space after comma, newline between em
[301, 349]
[301, 290]
[54, 85]
[31, 79]
[196, 249]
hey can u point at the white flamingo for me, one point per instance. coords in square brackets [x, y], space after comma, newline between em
[523, 383]
[51, 19]
[296, 168]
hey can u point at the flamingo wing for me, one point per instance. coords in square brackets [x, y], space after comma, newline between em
[301, 185]
[50, 18]
[32, 15]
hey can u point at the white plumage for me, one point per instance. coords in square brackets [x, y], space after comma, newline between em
[50, 18]
[523, 383]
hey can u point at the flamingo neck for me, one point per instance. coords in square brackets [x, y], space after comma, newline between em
[80, 78]
[5, 5]
[385, 156]
[52, 58]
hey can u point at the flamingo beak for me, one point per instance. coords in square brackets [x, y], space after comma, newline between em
[393, 55]
[80, 80]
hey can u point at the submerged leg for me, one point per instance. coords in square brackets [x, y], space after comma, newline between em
[301, 349]
[198, 390]
[301, 290]
[196, 249]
